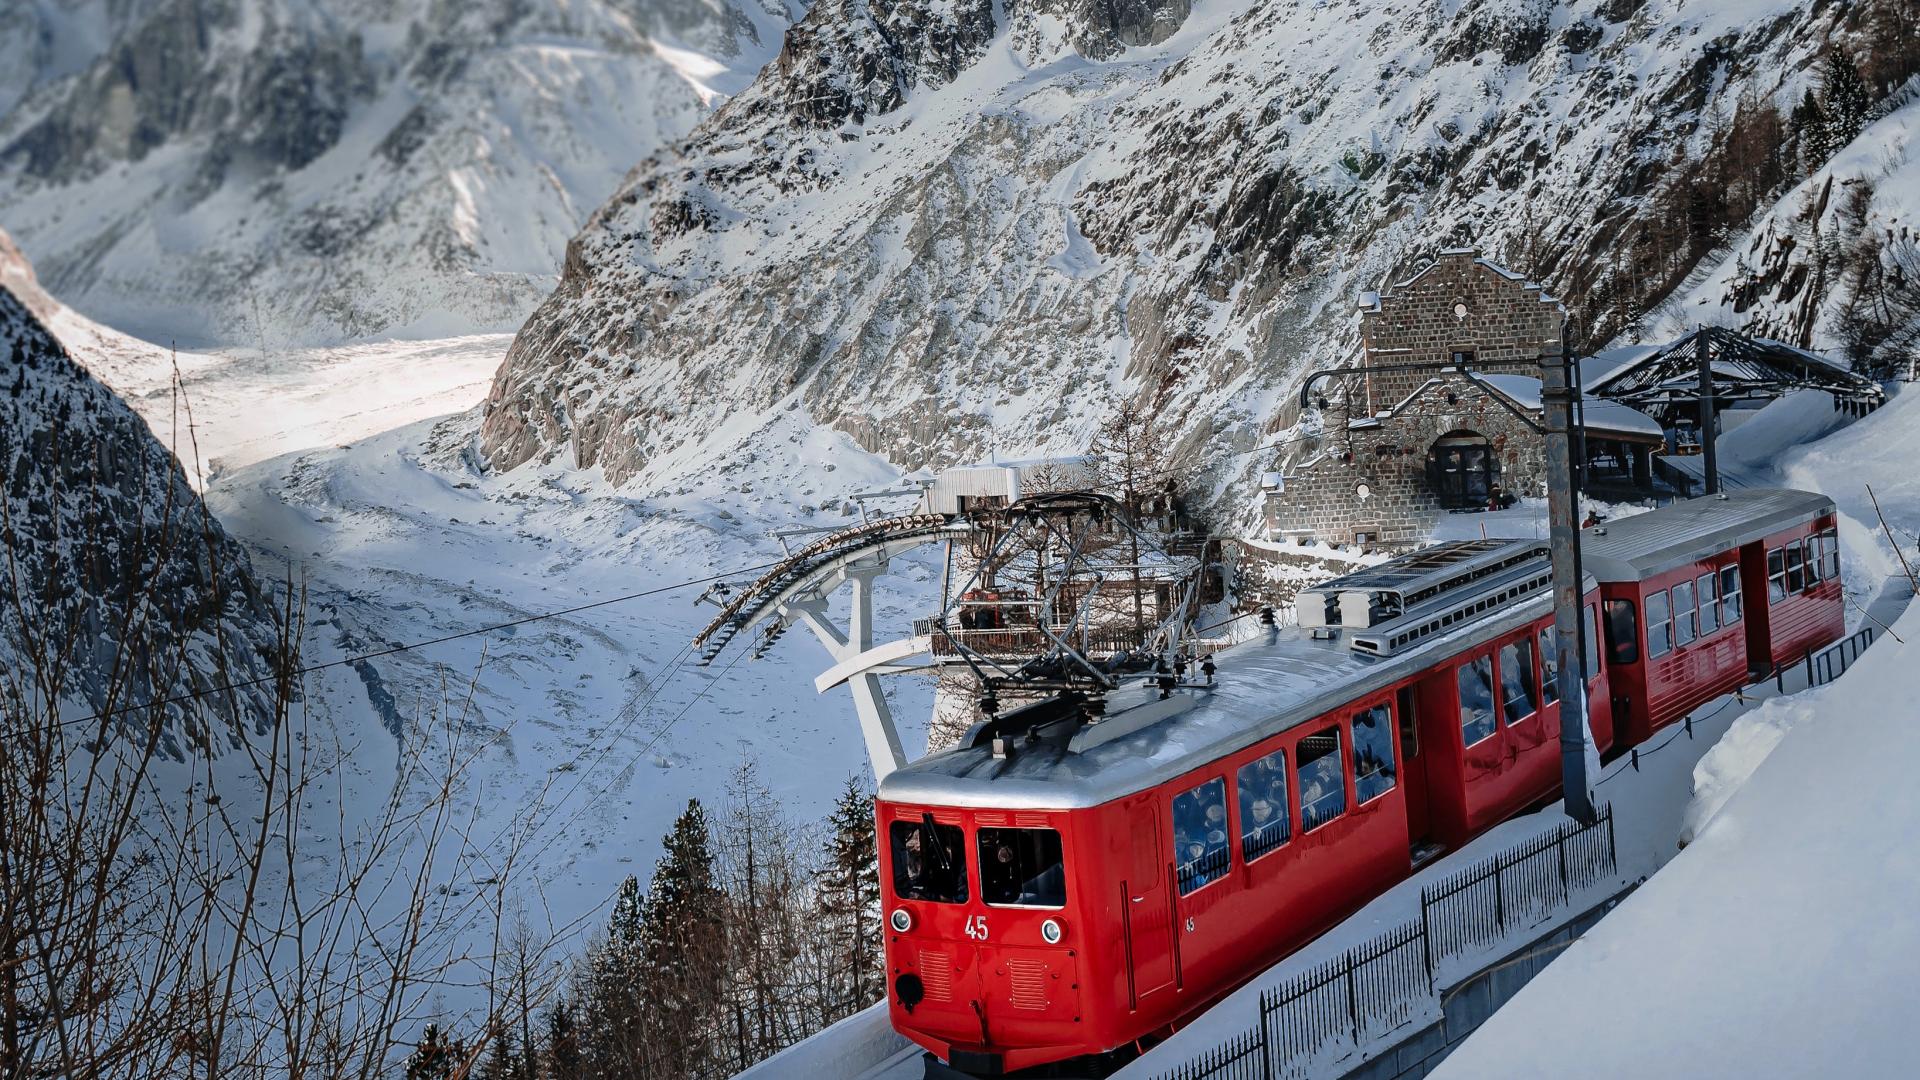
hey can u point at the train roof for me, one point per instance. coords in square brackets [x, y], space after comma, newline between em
[1271, 684]
[1642, 546]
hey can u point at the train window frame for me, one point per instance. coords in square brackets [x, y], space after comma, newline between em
[1659, 624]
[1191, 874]
[1547, 641]
[1706, 590]
[1830, 554]
[1590, 631]
[1041, 835]
[1460, 689]
[1796, 568]
[1686, 627]
[1407, 712]
[1253, 850]
[1730, 602]
[896, 841]
[1776, 576]
[1337, 752]
[1623, 640]
[1811, 560]
[1529, 676]
[1378, 718]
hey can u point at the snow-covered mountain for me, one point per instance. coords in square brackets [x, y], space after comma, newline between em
[950, 229]
[301, 171]
[123, 590]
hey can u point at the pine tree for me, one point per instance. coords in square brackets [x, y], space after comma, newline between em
[682, 941]
[436, 1057]
[1844, 100]
[563, 1043]
[848, 906]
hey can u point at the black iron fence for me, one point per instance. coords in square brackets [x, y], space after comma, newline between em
[1335, 1008]
[1832, 662]
[1474, 907]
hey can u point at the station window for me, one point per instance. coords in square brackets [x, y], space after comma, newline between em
[1684, 627]
[1549, 665]
[1729, 595]
[1830, 555]
[1476, 700]
[1265, 820]
[1372, 753]
[1659, 625]
[1623, 637]
[1776, 576]
[1022, 867]
[1323, 781]
[1519, 695]
[1200, 834]
[929, 861]
[1706, 586]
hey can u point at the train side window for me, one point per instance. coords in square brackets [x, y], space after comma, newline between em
[1519, 696]
[1373, 770]
[1323, 779]
[1476, 700]
[1023, 868]
[1729, 595]
[1796, 569]
[929, 861]
[1683, 615]
[1591, 632]
[1623, 637]
[1830, 555]
[1705, 586]
[1265, 820]
[1200, 834]
[1776, 576]
[1659, 625]
[1549, 664]
[1812, 546]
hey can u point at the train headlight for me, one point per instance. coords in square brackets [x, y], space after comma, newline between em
[1051, 931]
[900, 921]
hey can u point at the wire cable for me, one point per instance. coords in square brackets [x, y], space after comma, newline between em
[393, 650]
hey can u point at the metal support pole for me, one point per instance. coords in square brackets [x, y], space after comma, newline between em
[1556, 396]
[1707, 424]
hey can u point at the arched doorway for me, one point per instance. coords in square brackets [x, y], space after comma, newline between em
[1463, 470]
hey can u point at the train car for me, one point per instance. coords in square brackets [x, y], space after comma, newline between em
[1084, 874]
[1705, 596]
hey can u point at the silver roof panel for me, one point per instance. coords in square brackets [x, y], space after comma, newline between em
[1639, 547]
[1263, 687]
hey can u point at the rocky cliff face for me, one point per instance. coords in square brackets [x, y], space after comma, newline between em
[228, 171]
[123, 590]
[949, 229]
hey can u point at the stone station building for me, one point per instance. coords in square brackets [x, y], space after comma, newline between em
[1401, 447]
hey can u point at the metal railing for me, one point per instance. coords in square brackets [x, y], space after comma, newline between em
[1833, 661]
[1475, 907]
[1382, 985]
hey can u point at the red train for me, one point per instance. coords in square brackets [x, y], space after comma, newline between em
[1081, 878]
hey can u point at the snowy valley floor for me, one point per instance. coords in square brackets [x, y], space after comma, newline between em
[589, 732]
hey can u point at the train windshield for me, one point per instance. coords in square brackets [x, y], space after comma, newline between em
[1022, 867]
[929, 861]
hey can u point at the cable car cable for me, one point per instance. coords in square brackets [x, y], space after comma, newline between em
[390, 651]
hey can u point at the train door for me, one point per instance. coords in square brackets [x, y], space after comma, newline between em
[1413, 771]
[1753, 589]
[1146, 916]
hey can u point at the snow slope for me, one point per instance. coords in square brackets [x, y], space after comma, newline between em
[1780, 943]
[276, 173]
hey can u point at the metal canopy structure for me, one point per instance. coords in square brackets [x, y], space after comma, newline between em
[1666, 381]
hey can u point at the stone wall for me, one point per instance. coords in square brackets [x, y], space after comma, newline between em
[1458, 303]
[1319, 498]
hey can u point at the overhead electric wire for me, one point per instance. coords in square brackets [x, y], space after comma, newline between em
[393, 650]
